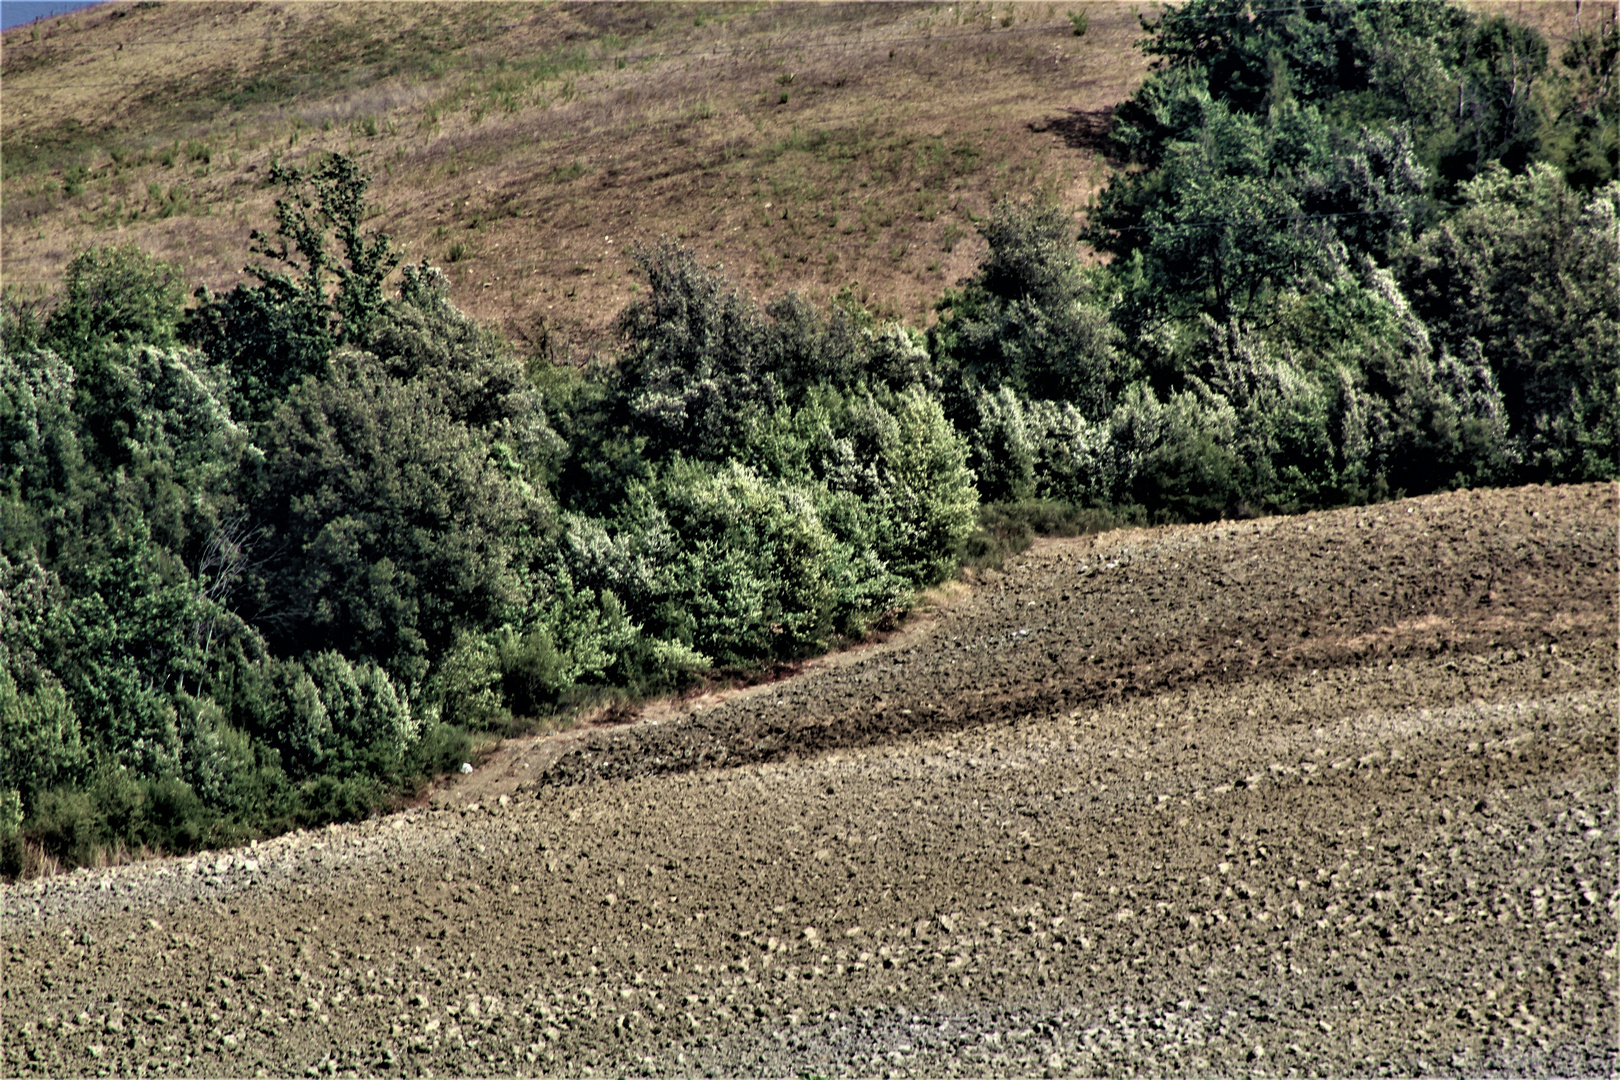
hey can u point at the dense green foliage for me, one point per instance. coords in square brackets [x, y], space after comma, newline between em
[273, 559]
[1362, 255]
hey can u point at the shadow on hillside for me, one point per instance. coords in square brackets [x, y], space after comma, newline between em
[1082, 129]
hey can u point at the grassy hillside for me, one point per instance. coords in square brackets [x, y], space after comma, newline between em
[525, 147]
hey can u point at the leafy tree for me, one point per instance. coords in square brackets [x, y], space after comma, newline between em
[1523, 278]
[44, 476]
[1314, 52]
[424, 339]
[1465, 88]
[898, 456]
[1582, 134]
[274, 334]
[1031, 319]
[1499, 110]
[693, 376]
[268, 340]
[22, 320]
[706, 373]
[393, 523]
[748, 569]
[342, 719]
[1076, 459]
[1243, 209]
[1179, 456]
[1003, 451]
[116, 296]
[803, 346]
[142, 441]
[160, 434]
[128, 648]
[1283, 443]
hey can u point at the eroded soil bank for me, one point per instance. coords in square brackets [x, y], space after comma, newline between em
[1325, 795]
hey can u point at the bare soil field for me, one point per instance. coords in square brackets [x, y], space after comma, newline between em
[1324, 795]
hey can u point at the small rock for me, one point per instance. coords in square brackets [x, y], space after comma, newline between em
[466, 767]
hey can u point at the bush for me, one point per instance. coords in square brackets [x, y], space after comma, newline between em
[368, 727]
[397, 524]
[270, 343]
[117, 816]
[1008, 528]
[901, 459]
[40, 747]
[441, 749]
[331, 800]
[467, 682]
[68, 825]
[575, 638]
[746, 575]
[1076, 460]
[116, 296]
[1523, 281]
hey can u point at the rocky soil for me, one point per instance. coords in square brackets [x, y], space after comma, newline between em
[1325, 795]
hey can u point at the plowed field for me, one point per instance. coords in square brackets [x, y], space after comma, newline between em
[1323, 795]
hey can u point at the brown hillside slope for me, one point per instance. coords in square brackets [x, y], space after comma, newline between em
[1327, 795]
[525, 147]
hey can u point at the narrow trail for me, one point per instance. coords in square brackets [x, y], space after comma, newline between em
[518, 763]
[1323, 795]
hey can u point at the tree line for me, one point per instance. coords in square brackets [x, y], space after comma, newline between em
[271, 558]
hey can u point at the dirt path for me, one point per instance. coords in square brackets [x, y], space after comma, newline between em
[520, 763]
[1325, 795]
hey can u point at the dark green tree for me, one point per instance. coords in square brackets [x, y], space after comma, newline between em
[1031, 319]
[116, 296]
[1466, 88]
[277, 332]
[1524, 278]
[1243, 208]
[392, 522]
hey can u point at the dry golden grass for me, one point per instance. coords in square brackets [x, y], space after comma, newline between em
[526, 148]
